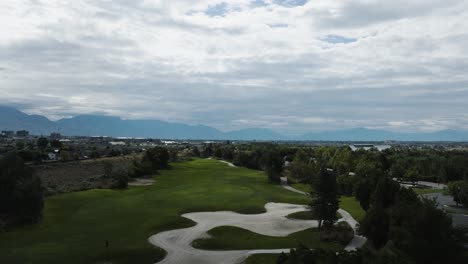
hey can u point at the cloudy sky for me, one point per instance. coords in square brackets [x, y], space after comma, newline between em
[289, 65]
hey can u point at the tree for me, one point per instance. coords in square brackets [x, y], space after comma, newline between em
[21, 193]
[56, 144]
[120, 178]
[412, 175]
[157, 157]
[346, 184]
[455, 190]
[362, 192]
[424, 233]
[325, 198]
[463, 194]
[42, 143]
[375, 224]
[397, 170]
[195, 152]
[386, 192]
[108, 168]
[272, 164]
[20, 145]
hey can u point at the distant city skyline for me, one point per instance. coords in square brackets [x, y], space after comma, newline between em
[293, 66]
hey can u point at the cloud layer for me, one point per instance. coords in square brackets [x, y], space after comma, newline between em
[291, 65]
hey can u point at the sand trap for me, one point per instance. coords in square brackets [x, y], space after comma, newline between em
[141, 182]
[228, 163]
[177, 243]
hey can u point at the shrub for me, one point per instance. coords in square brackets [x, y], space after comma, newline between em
[341, 233]
[120, 179]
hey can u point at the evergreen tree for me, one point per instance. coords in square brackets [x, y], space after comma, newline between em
[325, 198]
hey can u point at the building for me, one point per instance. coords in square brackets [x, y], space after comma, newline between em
[355, 147]
[22, 133]
[8, 133]
[117, 143]
[52, 156]
[55, 136]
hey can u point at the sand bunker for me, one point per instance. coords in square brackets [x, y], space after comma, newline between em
[141, 182]
[178, 242]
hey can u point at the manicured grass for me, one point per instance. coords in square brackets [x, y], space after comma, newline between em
[304, 215]
[302, 187]
[352, 206]
[76, 225]
[426, 191]
[234, 238]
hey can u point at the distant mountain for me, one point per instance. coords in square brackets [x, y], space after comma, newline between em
[355, 134]
[12, 119]
[117, 127]
[95, 125]
[254, 134]
[364, 134]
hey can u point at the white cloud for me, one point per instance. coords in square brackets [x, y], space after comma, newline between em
[174, 60]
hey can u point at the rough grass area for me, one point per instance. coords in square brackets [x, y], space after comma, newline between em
[352, 206]
[234, 238]
[76, 225]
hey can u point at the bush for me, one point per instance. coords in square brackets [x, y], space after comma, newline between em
[120, 179]
[341, 233]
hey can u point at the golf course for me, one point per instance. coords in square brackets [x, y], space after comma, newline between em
[113, 226]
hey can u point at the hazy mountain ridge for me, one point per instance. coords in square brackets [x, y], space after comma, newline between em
[95, 125]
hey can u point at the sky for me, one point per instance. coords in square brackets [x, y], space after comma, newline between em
[293, 66]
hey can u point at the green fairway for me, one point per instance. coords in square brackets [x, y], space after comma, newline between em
[352, 206]
[426, 191]
[234, 238]
[76, 225]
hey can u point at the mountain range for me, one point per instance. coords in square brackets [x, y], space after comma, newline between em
[95, 125]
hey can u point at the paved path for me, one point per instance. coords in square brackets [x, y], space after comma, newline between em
[284, 183]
